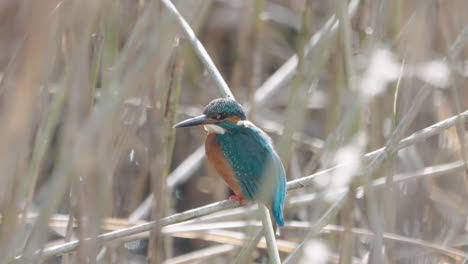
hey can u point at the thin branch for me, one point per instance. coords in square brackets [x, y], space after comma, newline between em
[60, 221]
[201, 254]
[391, 147]
[200, 50]
[459, 43]
[246, 251]
[453, 52]
[299, 89]
[414, 138]
[293, 202]
[316, 228]
[269, 234]
[432, 171]
[113, 224]
[180, 174]
[394, 141]
[286, 72]
[296, 225]
[233, 237]
[428, 172]
[190, 230]
[452, 252]
[177, 218]
[228, 204]
[276, 81]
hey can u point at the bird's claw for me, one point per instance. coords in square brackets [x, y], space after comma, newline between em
[236, 197]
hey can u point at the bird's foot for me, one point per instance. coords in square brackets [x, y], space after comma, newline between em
[236, 197]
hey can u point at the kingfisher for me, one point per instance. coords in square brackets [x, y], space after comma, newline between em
[243, 155]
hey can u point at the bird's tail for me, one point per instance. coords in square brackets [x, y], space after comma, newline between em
[278, 203]
[274, 190]
[274, 223]
[279, 194]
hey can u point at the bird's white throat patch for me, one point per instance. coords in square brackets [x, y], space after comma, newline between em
[245, 123]
[214, 129]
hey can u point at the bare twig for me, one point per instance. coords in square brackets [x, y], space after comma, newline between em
[60, 221]
[416, 137]
[209, 229]
[459, 43]
[299, 91]
[200, 50]
[316, 227]
[453, 53]
[227, 204]
[350, 122]
[180, 174]
[128, 232]
[328, 228]
[269, 234]
[246, 251]
[235, 238]
[286, 72]
[68, 247]
[452, 252]
[390, 148]
[281, 76]
[224, 89]
[42, 142]
[201, 254]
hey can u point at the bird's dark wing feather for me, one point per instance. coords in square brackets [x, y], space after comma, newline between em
[249, 152]
[256, 165]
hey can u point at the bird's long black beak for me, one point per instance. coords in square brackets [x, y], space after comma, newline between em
[196, 121]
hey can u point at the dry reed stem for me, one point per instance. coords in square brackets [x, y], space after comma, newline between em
[228, 204]
[200, 50]
[262, 94]
[269, 234]
[201, 254]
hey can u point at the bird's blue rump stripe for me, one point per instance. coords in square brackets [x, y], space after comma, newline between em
[279, 193]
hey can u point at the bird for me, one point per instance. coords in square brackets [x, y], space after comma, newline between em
[243, 155]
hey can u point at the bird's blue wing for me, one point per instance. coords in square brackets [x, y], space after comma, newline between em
[279, 190]
[248, 153]
[257, 167]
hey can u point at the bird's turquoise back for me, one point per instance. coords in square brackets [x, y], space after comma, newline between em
[256, 165]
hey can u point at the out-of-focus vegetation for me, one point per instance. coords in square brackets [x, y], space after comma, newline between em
[90, 91]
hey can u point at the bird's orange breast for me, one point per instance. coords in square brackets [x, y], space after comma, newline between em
[221, 164]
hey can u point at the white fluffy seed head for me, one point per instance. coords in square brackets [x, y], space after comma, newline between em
[315, 252]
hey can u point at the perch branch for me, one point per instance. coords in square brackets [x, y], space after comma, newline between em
[273, 83]
[295, 225]
[228, 204]
[201, 254]
[269, 234]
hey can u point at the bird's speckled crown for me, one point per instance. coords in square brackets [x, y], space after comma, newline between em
[225, 106]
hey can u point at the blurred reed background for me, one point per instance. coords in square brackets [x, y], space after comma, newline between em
[90, 91]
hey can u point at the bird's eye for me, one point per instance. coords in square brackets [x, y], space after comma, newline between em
[218, 116]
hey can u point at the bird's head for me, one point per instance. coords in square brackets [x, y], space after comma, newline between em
[218, 116]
